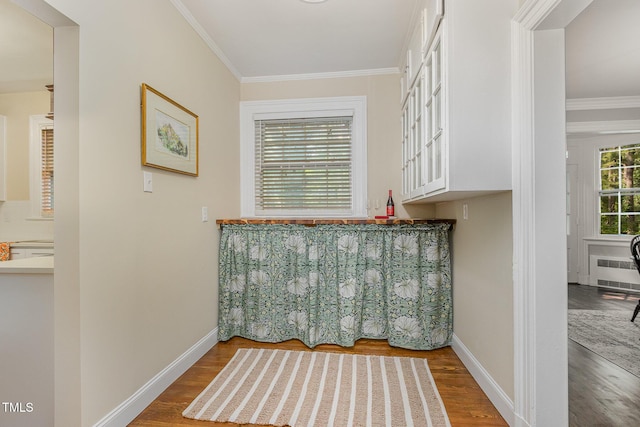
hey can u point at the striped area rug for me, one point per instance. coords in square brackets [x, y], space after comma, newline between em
[299, 388]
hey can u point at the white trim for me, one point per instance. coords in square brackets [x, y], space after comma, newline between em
[128, 410]
[606, 127]
[318, 107]
[205, 37]
[318, 76]
[605, 103]
[494, 392]
[523, 202]
[531, 376]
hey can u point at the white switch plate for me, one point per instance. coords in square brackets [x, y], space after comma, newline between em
[465, 211]
[205, 214]
[148, 182]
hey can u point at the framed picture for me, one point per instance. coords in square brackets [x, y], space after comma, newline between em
[169, 134]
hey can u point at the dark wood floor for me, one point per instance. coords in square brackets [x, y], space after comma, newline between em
[465, 402]
[601, 393]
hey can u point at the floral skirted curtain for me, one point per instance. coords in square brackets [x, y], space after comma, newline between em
[336, 284]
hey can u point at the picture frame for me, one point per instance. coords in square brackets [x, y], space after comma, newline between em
[169, 134]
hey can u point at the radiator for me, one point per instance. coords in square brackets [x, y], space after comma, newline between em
[613, 272]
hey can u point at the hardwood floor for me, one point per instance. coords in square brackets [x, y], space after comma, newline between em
[601, 393]
[465, 402]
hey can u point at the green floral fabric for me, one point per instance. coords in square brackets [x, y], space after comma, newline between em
[336, 284]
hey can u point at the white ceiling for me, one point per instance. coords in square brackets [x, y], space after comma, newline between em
[268, 39]
[603, 50]
[263, 38]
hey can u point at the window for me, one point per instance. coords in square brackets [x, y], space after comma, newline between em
[304, 158]
[620, 190]
[42, 174]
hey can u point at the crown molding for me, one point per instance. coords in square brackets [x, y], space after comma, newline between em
[605, 103]
[205, 37]
[604, 127]
[317, 76]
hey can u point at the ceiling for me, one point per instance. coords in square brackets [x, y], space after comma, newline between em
[603, 50]
[267, 38]
[276, 39]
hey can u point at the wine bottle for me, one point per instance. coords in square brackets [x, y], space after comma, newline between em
[390, 206]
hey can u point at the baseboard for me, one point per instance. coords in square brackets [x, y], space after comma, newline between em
[124, 413]
[496, 395]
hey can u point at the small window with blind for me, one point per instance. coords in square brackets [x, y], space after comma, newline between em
[304, 158]
[42, 174]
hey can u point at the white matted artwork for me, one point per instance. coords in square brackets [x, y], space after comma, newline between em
[169, 134]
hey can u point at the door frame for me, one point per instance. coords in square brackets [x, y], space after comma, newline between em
[539, 211]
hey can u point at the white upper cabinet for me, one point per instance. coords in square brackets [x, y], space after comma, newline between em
[456, 111]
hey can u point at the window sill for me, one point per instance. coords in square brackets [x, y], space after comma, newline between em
[38, 218]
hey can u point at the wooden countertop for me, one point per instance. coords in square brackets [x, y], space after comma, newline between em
[312, 222]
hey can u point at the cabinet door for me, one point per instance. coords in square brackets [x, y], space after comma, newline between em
[413, 141]
[434, 140]
[406, 156]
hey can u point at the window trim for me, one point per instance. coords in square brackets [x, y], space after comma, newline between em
[608, 145]
[36, 124]
[307, 107]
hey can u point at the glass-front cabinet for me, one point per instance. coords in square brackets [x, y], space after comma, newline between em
[434, 139]
[456, 139]
[412, 146]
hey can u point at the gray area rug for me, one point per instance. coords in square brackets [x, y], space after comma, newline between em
[610, 334]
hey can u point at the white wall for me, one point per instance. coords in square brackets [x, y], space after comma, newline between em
[482, 256]
[17, 107]
[26, 355]
[16, 223]
[15, 211]
[143, 264]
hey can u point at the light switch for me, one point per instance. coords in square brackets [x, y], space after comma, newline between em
[205, 214]
[465, 211]
[148, 182]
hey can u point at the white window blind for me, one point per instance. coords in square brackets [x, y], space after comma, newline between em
[47, 172]
[303, 164]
